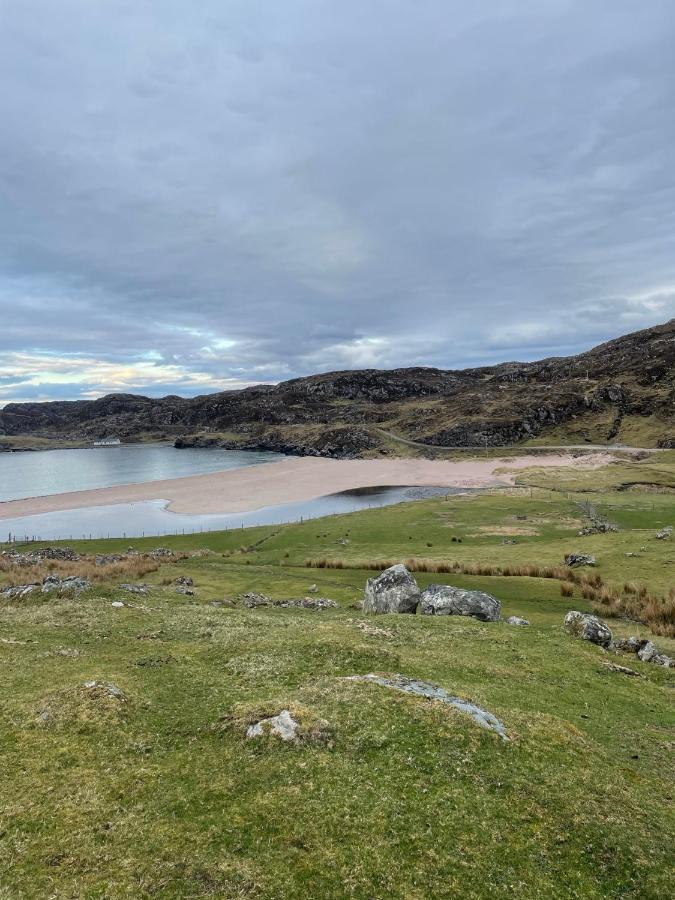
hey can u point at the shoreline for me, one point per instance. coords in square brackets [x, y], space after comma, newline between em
[293, 480]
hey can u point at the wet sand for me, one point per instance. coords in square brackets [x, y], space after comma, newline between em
[296, 479]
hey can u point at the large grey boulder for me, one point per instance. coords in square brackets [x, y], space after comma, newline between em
[394, 591]
[73, 583]
[445, 600]
[588, 628]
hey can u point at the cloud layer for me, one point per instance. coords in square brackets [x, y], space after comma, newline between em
[199, 196]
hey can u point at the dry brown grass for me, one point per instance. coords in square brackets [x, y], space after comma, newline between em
[434, 566]
[132, 569]
[566, 589]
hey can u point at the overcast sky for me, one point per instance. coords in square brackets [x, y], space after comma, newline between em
[199, 195]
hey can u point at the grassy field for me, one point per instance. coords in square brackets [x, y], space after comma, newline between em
[159, 793]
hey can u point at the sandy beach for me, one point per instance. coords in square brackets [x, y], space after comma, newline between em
[294, 480]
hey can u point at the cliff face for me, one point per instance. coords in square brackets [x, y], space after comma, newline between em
[623, 390]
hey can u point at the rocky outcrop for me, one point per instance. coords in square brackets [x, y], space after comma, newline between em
[394, 591]
[445, 600]
[588, 628]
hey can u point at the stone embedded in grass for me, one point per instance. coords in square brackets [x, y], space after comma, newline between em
[588, 628]
[117, 604]
[107, 689]
[623, 670]
[393, 591]
[135, 588]
[445, 600]
[19, 590]
[664, 533]
[516, 620]
[312, 589]
[579, 559]
[283, 726]
[433, 692]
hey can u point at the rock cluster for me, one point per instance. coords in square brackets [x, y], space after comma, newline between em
[644, 650]
[396, 591]
[591, 628]
[579, 559]
[35, 557]
[73, 583]
[598, 527]
[252, 600]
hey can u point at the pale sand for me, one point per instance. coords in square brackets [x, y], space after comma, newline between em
[294, 480]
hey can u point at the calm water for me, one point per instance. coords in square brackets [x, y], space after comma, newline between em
[150, 517]
[34, 474]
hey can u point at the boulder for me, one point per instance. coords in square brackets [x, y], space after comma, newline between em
[579, 559]
[664, 533]
[516, 620]
[393, 591]
[588, 628]
[445, 600]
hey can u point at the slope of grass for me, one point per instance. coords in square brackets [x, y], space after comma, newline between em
[161, 795]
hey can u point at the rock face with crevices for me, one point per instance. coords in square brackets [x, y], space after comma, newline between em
[445, 600]
[393, 591]
[588, 628]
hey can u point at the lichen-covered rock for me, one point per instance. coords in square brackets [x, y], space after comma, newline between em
[393, 591]
[647, 652]
[142, 589]
[445, 600]
[579, 559]
[516, 620]
[588, 628]
[73, 583]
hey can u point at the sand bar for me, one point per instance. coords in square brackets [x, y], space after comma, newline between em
[294, 480]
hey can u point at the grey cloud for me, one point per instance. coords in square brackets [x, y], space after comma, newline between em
[261, 190]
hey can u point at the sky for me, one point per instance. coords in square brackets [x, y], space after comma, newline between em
[201, 196]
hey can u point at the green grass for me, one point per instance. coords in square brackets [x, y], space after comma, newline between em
[163, 796]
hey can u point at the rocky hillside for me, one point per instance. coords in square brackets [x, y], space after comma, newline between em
[622, 391]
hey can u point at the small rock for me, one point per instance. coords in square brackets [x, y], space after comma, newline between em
[664, 533]
[251, 600]
[135, 588]
[588, 628]
[312, 589]
[393, 591]
[579, 559]
[516, 620]
[282, 726]
[445, 600]
[184, 579]
[105, 688]
[117, 604]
